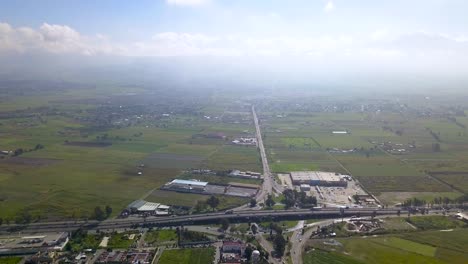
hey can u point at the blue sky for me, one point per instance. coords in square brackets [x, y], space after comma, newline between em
[388, 33]
[139, 19]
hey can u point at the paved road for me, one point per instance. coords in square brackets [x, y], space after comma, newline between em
[267, 187]
[268, 247]
[270, 186]
[298, 240]
[242, 216]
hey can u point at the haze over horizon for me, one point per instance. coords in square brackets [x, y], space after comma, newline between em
[323, 39]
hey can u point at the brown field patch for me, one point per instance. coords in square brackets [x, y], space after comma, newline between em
[30, 161]
[88, 144]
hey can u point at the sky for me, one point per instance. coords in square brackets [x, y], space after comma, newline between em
[427, 35]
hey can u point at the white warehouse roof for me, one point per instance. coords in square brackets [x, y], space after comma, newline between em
[186, 182]
[148, 206]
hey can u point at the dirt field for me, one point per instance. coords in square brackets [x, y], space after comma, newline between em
[88, 144]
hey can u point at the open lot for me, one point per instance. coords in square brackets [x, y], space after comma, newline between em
[187, 256]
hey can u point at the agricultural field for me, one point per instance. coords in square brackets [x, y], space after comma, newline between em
[10, 260]
[324, 257]
[388, 152]
[187, 256]
[76, 152]
[403, 243]
[436, 222]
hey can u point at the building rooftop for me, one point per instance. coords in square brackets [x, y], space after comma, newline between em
[148, 206]
[187, 182]
[314, 176]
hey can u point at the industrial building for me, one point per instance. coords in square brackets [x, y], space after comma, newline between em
[23, 245]
[199, 187]
[144, 207]
[186, 185]
[317, 178]
[245, 174]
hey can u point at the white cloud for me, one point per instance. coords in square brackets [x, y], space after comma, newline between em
[374, 47]
[329, 6]
[187, 2]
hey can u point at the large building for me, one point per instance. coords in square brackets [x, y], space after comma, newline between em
[186, 185]
[318, 178]
[144, 207]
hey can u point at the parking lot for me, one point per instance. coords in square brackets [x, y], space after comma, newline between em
[336, 196]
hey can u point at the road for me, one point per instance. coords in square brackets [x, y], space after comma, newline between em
[268, 247]
[298, 240]
[239, 216]
[269, 184]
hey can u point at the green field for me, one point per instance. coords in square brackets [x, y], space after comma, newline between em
[324, 257]
[436, 222]
[121, 241]
[10, 260]
[187, 256]
[301, 140]
[157, 236]
[73, 174]
[89, 241]
[407, 247]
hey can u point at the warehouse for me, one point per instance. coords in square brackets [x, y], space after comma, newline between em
[186, 185]
[317, 178]
[144, 207]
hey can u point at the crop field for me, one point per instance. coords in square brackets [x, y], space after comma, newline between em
[371, 149]
[413, 246]
[324, 257]
[436, 222]
[451, 245]
[187, 256]
[69, 165]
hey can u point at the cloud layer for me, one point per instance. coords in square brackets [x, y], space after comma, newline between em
[380, 47]
[187, 2]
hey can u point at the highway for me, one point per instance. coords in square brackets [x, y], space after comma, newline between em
[238, 216]
[269, 185]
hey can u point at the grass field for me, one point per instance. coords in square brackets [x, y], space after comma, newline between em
[324, 257]
[10, 260]
[89, 241]
[157, 236]
[436, 222]
[187, 256]
[299, 140]
[64, 180]
[407, 247]
[120, 241]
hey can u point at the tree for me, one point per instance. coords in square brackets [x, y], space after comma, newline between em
[200, 206]
[253, 202]
[279, 244]
[108, 210]
[436, 147]
[1, 221]
[99, 214]
[224, 224]
[213, 202]
[253, 227]
[269, 201]
[178, 235]
[248, 252]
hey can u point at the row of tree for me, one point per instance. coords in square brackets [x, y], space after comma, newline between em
[436, 201]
